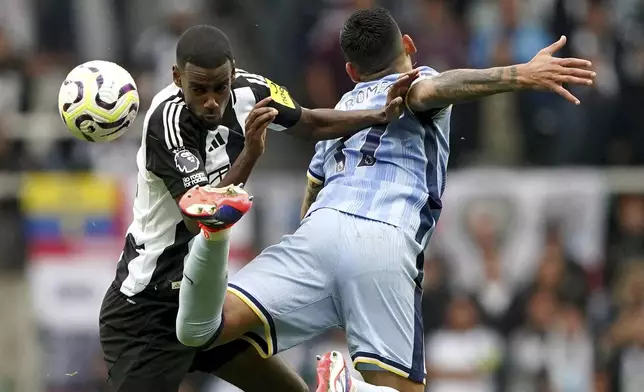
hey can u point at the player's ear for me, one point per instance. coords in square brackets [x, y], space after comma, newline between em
[352, 71]
[408, 45]
[176, 76]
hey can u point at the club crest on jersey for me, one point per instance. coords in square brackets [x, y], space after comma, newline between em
[186, 161]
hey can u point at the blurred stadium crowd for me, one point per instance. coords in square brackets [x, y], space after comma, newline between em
[535, 278]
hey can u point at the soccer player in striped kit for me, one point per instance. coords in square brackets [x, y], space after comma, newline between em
[205, 128]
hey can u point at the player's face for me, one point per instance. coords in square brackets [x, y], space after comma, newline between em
[206, 91]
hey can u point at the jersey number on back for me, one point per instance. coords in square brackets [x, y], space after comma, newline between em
[367, 150]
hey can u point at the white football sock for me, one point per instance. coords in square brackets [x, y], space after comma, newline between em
[203, 289]
[361, 386]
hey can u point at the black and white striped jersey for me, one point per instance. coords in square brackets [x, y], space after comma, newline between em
[177, 152]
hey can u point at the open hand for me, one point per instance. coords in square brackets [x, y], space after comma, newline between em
[396, 96]
[258, 119]
[546, 72]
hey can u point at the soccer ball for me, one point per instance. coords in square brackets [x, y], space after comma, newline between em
[98, 101]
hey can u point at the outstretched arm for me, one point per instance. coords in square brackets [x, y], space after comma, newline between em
[324, 124]
[543, 72]
[327, 124]
[461, 85]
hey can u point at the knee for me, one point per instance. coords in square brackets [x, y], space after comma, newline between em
[197, 335]
[191, 339]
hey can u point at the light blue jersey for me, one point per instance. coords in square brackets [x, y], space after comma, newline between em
[393, 173]
[356, 260]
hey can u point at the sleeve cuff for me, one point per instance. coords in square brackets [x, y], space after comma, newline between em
[315, 178]
[421, 77]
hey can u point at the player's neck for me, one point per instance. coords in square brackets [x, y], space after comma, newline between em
[401, 65]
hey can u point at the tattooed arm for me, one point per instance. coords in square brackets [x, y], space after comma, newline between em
[543, 72]
[312, 190]
[460, 85]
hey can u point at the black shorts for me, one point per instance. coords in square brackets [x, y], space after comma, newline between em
[140, 347]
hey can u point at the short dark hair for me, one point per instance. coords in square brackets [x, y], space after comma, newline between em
[204, 46]
[370, 39]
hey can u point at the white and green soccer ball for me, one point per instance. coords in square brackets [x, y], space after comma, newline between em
[98, 101]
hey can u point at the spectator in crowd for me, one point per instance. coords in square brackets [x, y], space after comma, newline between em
[494, 290]
[463, 356]
[570, 353]
[526, 369]
[556, 275]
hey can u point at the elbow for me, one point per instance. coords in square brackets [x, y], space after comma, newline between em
[424, 97]
[415, 100]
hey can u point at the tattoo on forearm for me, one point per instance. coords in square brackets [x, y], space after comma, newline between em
[464, 84]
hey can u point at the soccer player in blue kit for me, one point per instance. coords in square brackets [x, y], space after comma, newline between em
[373, 200]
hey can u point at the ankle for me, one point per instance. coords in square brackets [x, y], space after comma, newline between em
[215, 234]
